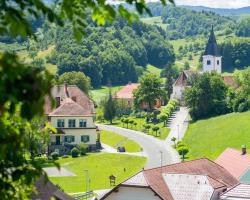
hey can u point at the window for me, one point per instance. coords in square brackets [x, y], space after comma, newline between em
[72, 123]
[208, 62]
[82, 123]
[218, 62]
[60, 123]
[85, 138]
[69, 138]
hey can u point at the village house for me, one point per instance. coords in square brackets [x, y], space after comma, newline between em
[196, 179]
[73, 117]
[236, 163]
[126, 96]
[211, 62]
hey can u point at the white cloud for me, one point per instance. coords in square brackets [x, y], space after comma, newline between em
[215, 3]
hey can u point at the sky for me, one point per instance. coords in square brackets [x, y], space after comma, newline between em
[215, 3]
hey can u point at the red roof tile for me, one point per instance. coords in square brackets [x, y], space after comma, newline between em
[183, 77]
[217, 176]
[127, 91]
[234, 162]
[229, 80]
[72, 92]
[70, 108]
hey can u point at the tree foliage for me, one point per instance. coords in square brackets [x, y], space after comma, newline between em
[76, 78]
[109, 108]
[207, 96]
[243, 28]
[148, 91]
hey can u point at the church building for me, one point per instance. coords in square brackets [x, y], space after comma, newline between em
[212, 62]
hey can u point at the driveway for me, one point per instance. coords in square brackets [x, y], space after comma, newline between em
[178, 125]
[151, 146]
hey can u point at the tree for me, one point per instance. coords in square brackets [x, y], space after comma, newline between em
[109, 108]
[76, 78]
[186, 65]
[147, 127]
[173, 139]
[207, 96]
[163, 118]
[25, 87]
[148, 91]
[183, 150]
[155, 129]
[126, 121]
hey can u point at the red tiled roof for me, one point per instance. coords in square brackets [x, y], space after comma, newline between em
[183, 77]
[234, 162]
[217, 176]
[127, 91]
[69, 108]
[229, 80]
[72, 92]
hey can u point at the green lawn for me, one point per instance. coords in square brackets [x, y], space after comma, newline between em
[113, 139]
[154, 21]
[99, 94]
[209, 138]
[139, 127]
[100, 167]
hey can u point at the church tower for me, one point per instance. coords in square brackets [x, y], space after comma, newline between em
[212, 57]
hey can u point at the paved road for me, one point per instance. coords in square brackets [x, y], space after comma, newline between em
[151, 146]
[178, 125]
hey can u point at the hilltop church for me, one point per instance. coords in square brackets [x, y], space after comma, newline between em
[212, 62]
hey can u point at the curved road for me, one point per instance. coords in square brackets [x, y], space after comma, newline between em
[151, 146]
[157, 150]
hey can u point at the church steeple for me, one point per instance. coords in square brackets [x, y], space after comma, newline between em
[212, 57]
[212, 47]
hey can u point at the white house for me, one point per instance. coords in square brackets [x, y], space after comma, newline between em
[190, 180]
[73, 118]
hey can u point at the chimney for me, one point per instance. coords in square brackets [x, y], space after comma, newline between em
[243, 149]
[129, 83]
[66, 89]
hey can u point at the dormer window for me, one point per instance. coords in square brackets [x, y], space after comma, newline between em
[208, 62]
[72, 123]
[60, 123]
[73, 98]
[82, 123]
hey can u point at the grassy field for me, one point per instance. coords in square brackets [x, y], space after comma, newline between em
[209, 138]
[113, 139]
[99, 94]
[100, 167]
[139, 127]
[154, 21]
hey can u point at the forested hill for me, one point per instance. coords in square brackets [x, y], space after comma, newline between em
[114, 54]
[221, 11]
[183, 22]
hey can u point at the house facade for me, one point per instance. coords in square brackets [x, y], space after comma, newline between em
[196, 179]
[126, 97]
[73, 118]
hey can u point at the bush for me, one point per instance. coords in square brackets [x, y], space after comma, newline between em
[243, 106]
[74, 152]
[83, 148]
[54, 155]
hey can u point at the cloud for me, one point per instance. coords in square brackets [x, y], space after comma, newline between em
[215, 3]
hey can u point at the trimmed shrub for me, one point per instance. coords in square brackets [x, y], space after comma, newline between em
[54, 155]
[75, 152]
[83, 148]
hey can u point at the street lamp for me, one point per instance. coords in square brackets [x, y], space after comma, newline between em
[178, 132]
[87, 178]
